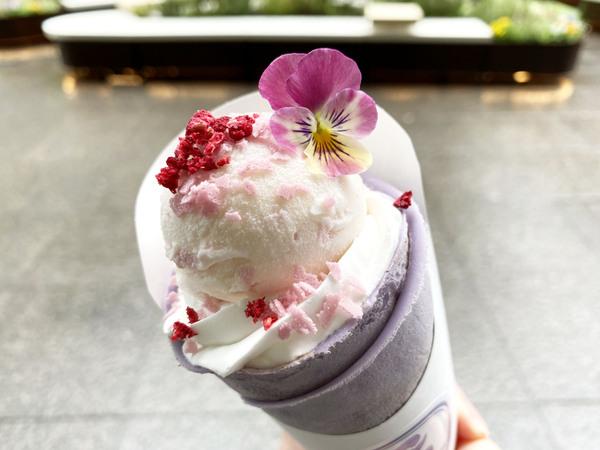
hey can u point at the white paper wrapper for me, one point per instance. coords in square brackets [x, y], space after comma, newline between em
[428, 419]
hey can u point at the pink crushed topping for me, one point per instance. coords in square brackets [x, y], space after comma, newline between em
[324, 234]
[301, 322]
[255, 309]
[328, 308]
[256, 165]
[352, 309]
[223, 182]
[288, 191]
[288, 299]
[184, 259]
[173, 281]
[233, 216]
[303, 290]
[250, 187]
[178, 207]
[190, 346]
[285, 329]
[404, 201]
[280, 157]
[212, 304]
[300, 274]
[206, 197]
[276, 306]
[204, 136]
[334, 270]
[329, 202]
[354, 283]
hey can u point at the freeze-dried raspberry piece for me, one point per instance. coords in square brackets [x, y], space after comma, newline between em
[182, 331]
[268, 321]
[193, 316]
[169, 178]
[255, 309]
[404, 201]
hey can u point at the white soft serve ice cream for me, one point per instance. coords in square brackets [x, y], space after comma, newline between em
[262, 226]
[260, 216]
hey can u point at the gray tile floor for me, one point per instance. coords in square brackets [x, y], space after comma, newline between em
[512, 178]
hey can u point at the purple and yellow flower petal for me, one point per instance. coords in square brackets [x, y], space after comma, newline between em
[319, 110]
[334, 154]
[272, 82]
[320, 75]
[350, 112]
[292, 127]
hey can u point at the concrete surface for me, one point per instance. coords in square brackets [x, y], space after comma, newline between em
[513, 188]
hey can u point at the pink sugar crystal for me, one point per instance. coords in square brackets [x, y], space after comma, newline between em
[334, 270]
[250, 187]
[303, 290]
[190, 346]
[328, 308]
[223, 182]
[276, 306]
[288, 191]
[280, 157]
[324, 233]
[256, 165]
[301, 322]
[288, 299]
[354, 283]
[284, 331]
[178, 207]
[233, 216]
[212, 304]
[206, 197]
[300, 274]
[184, 259]
[329, 202]
[352, 309]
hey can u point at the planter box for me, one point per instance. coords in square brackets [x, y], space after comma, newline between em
[241, 47]
[22, 30]
[591, 12]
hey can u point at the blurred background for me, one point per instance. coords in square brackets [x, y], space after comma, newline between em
[501, 100]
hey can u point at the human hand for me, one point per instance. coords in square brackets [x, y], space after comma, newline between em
[472, 431]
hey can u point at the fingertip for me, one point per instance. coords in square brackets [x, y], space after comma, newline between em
[471, 425]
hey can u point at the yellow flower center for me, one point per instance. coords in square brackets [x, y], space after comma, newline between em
[322, 136]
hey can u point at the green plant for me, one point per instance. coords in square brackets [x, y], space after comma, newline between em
[536, 21]
[438, 8]
[241, 7]
[516, 21]
[23, 8]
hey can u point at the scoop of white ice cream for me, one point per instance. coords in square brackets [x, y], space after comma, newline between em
[241, 231]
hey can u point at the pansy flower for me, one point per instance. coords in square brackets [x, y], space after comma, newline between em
[319, 110]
